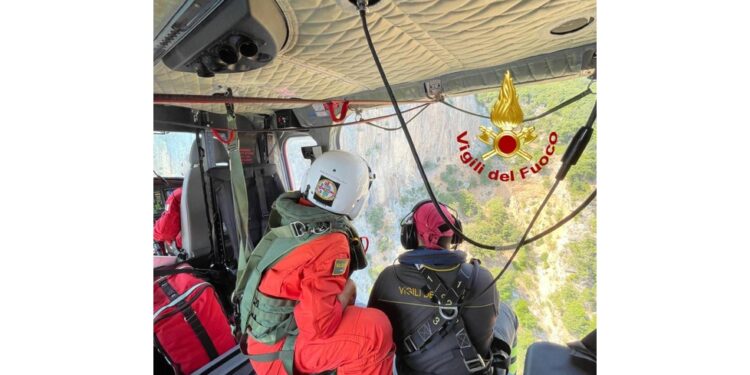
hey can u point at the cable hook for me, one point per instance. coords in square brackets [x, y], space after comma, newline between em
[221, 139]
[335, 104]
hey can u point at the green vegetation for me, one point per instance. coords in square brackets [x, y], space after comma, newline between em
[384, 244]
[463, 201]
[576, 298]
[571, 302]
[451, 178]
[583, 175]
[429, 165]
[375, 270]
[543, 258]
[527, 324]
[375, 218]
[583, 260]
[410, 197]
[493, 225]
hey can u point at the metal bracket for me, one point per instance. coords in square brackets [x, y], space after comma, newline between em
[434, 89]
[448, 312]
[230, 106]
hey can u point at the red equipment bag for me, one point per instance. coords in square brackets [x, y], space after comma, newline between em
[190, 327]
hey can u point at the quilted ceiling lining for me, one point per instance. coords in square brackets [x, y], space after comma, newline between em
[416, 40]
[163, 10]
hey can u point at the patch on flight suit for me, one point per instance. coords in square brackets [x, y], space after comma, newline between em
[340, 267]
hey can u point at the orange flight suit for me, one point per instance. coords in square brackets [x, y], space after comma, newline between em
[352, 340]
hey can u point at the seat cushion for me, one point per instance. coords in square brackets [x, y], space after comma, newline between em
[544, 358]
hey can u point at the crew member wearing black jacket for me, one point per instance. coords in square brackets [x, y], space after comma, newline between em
[423, 296]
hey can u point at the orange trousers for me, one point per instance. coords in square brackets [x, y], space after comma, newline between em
[362, 344]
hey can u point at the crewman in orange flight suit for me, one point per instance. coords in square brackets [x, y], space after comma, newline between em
[333, 334]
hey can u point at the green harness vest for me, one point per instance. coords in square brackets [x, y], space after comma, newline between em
[269, 319]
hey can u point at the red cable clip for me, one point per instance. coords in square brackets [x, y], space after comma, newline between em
[221, 139]
[333, 105]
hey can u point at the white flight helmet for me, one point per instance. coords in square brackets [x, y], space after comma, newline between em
[339, 182]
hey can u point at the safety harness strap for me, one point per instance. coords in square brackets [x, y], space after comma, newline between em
[447, 316]
[473, 361]
[447, 300]
[261, 187]
[274, 249]
[239, 202]
[277, 243]
[239, 192]
[286, 355]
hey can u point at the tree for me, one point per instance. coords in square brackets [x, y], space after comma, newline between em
[375, 218]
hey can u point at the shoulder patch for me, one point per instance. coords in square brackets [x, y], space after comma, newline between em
[339, 267]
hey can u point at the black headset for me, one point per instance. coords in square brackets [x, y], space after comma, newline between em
[409, 230]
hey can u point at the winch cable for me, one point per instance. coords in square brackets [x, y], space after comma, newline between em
[363, 121]
[361, 5]
[552, 110]
[398, 127]
[570, 158]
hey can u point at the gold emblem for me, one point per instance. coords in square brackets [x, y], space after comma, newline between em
[507, 116]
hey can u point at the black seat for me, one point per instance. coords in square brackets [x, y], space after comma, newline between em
[263, 184]
[255, 174]
[193, 218]
[545, 358]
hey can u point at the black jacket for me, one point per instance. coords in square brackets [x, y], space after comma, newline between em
[398, 293]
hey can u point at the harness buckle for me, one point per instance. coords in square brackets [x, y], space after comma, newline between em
[320, 228]
[409, 345]
[448, 312]
[298, 229]
[475, 365]
[501, 359]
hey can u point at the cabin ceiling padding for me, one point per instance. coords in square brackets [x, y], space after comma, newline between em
[326, 55]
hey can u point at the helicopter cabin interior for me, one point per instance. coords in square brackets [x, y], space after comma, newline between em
[292, 69]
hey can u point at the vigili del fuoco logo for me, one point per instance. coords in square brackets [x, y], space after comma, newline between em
[507, 139]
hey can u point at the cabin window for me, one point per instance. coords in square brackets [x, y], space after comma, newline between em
[172, 153]
[296, 164]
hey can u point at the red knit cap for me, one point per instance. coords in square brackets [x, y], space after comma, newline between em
[429, 222]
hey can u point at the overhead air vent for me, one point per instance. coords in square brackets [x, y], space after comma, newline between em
[572, 26]
[227, 36]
